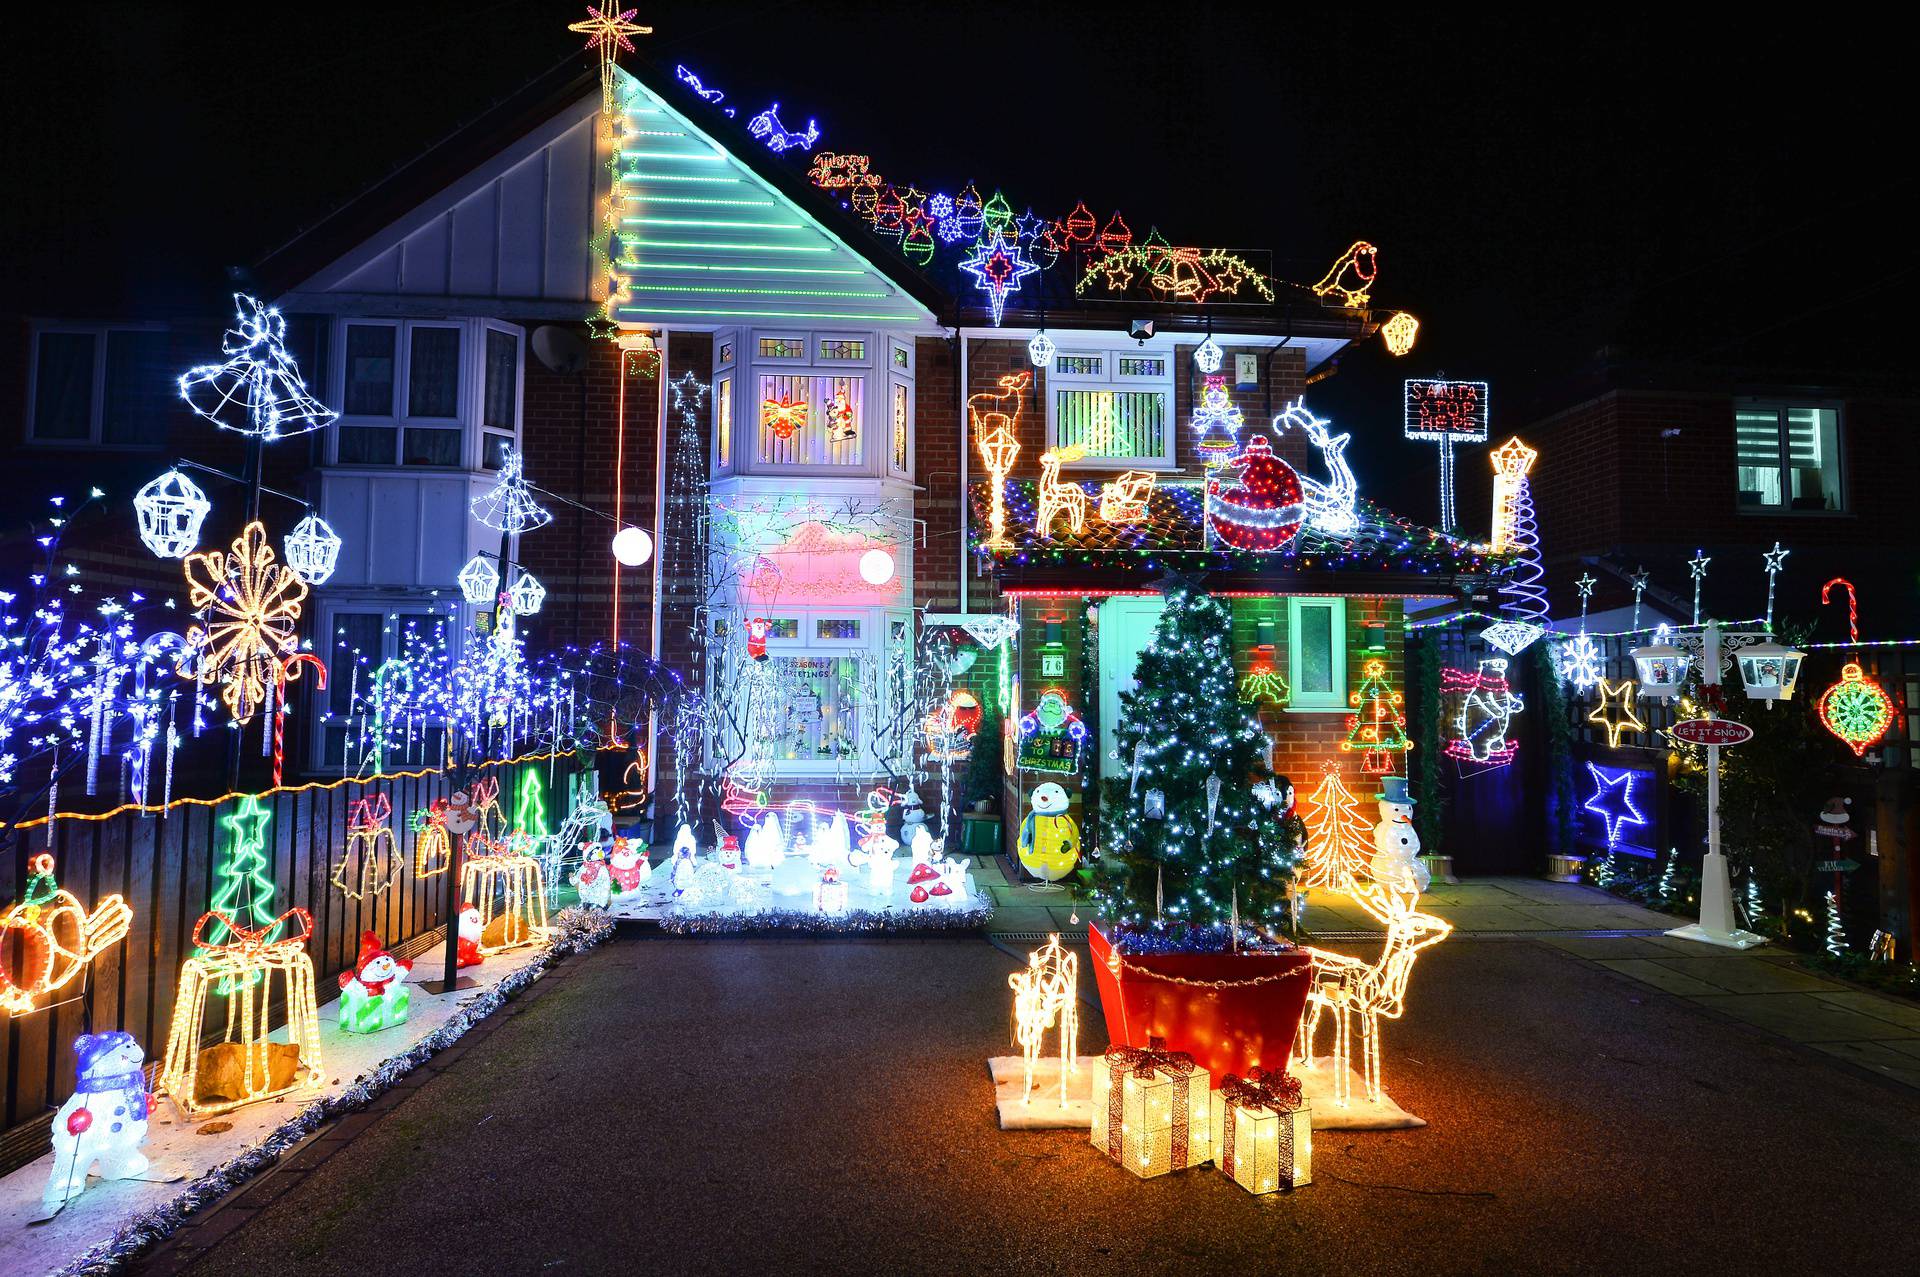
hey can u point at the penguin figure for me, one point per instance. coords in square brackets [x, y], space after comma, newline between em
[1049, 840]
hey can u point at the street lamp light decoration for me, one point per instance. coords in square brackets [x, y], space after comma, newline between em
[479, 580]
[313, 548]
[258, 391]
[1769, 671]
[509, 506]
[1662, 668]
[171, 509]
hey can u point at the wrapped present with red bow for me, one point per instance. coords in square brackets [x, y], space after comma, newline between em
[1150, 1109]
[259, 970]
[1263, 1131]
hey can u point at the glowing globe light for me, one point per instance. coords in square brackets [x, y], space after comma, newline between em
[170, 510]
[632, 546]
[313, 549]
[876, 567]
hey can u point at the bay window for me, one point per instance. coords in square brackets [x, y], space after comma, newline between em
[441, 393]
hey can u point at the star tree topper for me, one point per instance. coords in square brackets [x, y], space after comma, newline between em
[607, 31]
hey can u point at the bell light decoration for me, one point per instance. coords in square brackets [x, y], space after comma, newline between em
[632, 546]
[1769, 670]
[526, 595]
[478, 580]
[170, 510]
[876, 567]
[1662, 668]
[312, 549]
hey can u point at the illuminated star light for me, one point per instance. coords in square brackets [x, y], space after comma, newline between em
[607, 31]
[998, 268]
[1601, 803]
[1617, 696]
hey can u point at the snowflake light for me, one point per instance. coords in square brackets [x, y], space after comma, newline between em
[509, 506]
[313, 548]
[251, 604]
[478, 580]
[170, 510]
[1581, 663]
[258, 391]
[526, 595]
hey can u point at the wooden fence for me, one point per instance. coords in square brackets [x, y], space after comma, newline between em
[163, 863]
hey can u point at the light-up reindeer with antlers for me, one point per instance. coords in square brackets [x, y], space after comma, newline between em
[1057, 498]
[1375, 991]
[1043, 993]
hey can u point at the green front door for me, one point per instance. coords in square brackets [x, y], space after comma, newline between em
[1126, 627]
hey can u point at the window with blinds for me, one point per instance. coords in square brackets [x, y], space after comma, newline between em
[810, 421]
[1118, 425]
[1787, 457]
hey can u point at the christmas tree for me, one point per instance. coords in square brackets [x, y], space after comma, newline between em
[245, 892]
[530, 811]
[1522, 596]
[1379, 729]
[1339, 837]
[1191, 728]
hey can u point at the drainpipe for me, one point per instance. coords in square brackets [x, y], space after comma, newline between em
[659, 561]
[966, 519]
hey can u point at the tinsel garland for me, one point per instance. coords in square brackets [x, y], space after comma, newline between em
[1185, 939]
[575, 930]
[810, 922]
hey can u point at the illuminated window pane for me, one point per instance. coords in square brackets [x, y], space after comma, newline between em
[821, 695]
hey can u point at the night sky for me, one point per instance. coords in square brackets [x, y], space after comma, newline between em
[1538, 187]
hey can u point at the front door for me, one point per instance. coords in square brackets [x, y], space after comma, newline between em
[1126, 627]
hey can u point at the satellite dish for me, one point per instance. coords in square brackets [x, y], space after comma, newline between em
[561, 350]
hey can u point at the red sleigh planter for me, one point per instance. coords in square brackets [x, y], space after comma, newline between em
[1248, 1023]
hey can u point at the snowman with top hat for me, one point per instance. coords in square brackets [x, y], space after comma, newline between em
[1396, 847]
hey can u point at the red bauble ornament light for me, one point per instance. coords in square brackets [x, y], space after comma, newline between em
[1263, 510]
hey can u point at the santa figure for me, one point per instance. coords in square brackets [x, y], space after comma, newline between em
[629, 865]
[468, 946]
[374, 994]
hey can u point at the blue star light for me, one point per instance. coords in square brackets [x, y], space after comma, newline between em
[997, 268]
[1606, 783]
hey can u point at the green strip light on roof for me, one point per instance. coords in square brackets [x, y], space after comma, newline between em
[677, 177]
[701, 221]
[764, 292]
[639, 314]
[745, 248]
[707, 157]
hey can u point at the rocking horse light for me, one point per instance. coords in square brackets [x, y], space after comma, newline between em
[1044, 994]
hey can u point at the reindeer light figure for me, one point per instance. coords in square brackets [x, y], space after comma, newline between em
[1347, 987]
[1125, 499]
[1048, 990]
[1056, 498]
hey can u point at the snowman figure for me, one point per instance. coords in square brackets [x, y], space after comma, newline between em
[913, 818]
[374, 995]
[104, 1120]
[592, 880]
[1396, 847]
[1049, 839]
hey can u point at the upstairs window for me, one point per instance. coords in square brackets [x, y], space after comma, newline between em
[1788, 457]
[1117, 405]
[108, 386]
[413, 391]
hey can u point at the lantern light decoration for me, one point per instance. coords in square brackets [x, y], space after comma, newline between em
[526, 595]
[1399, 333]
[1856, 709]
[632, 546]
[171, 509]
[313, 548]
[1769, 671]
[479, 580]
[1662, 668]
[876, 567]
[509, 506]
[1040, 350]
[258, 391]
[1207, 356]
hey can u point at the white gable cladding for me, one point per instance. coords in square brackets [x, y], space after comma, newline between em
[518, 228]
[705, 242]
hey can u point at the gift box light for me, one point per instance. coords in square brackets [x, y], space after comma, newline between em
[509, 888]
[1263, 1132]
[1151, 1111]
[258, 967]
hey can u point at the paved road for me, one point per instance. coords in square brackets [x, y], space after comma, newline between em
[722, 1107]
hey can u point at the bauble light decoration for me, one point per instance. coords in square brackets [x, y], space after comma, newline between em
[632, 546]
[1207, 355]
[1040, 350]
[313, 548]
[876, 567]
[170, 510]
[1856, 710]
[526, 595]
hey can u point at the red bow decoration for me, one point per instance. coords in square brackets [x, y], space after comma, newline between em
[1273, 1089]
[485, 793]
[250, 942]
